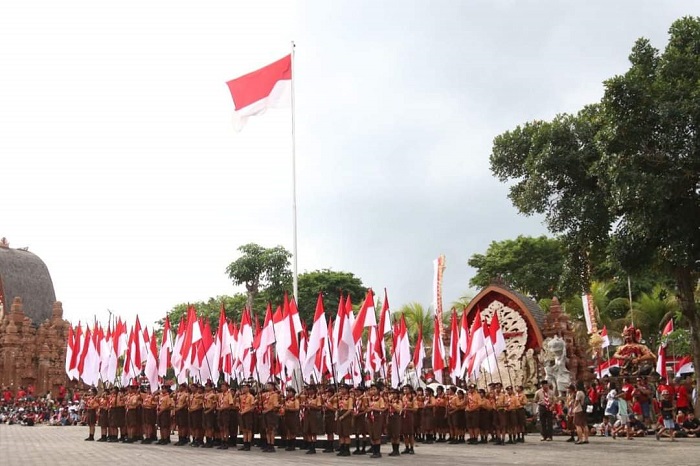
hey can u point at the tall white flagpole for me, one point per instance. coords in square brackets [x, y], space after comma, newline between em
[295, 260]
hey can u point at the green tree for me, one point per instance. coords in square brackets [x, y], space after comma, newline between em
[530, 265]
[651, 311]
[550, 165]
[621, 178]
[651, 162]
[209, 309]
[261, 268]
[416, 316]
[611, 309]
[331, 284]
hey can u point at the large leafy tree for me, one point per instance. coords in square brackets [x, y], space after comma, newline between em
[261, 268]
[331, 283]
[651, 162]
[551, 164]
[621, 178]
[530, 265]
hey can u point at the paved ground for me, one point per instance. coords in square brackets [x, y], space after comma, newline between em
[43, 445]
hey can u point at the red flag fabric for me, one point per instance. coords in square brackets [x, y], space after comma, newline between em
[438, 353]
[255, 92]
[365, 318]
[604, 337]
[668, 328]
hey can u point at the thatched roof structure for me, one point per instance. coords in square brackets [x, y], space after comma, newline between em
[25, 275]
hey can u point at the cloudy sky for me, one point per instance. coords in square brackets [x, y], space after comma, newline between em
[120, 168]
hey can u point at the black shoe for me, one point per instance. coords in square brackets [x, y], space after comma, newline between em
[311, 451]
[571, 439]
[102, 439]
[90, 439]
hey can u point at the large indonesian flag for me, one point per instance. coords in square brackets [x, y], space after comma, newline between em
[683, 366]
[268, 87]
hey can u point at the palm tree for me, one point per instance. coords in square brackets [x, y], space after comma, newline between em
[610, 309]
[651, 311]
[418, 316]
[462, 303]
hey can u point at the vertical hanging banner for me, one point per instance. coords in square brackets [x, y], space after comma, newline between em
[589, 313]
[438, 270]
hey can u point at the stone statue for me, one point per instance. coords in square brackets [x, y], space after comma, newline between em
[637, 358]
[556, 372]
[529, 366]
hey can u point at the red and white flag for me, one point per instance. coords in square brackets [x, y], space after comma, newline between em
[245, 344]
[176, 358]
[365, 318]
[342, 337]
[151, 370]
[455, 354]
[70, 345]
[419, 352]
[604, 337]
[684, 366]
[605, 366]
[476, 353]
[668, 328]
[438, 352]
[316, 342]
[166, 347]
[255, 92]
[661, 361]
[496, 344]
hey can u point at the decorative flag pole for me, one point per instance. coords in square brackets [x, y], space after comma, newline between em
[295, 261]
[255, 92]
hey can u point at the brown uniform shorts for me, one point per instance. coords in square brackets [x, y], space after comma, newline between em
[344, 428]
[224, 419]
[149, 416]
[472, 419]
[209, 419]
[91, 417]
[182, 418]
[196, 419]
[247, 421]
[164, 419]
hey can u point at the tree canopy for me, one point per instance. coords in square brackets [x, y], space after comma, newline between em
[530, 265]
[331, 283]
[259, 268]
[620, 179]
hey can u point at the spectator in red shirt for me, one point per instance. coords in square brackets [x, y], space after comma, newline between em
[682, 399]
[627, 389]
[666, 385]
[637, 407]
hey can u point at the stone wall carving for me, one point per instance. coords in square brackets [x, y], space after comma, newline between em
[32, 355]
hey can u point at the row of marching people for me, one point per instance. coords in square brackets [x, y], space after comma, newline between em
[207, 416]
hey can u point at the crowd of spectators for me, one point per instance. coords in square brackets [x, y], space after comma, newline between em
[24, 407]
[632, 407]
